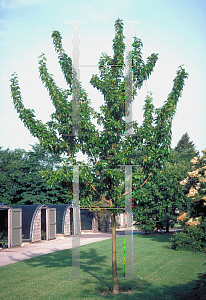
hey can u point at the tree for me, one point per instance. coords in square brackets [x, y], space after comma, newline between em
[109, 147]
[20, 180]
[162, 197]
[10, 164]
[186, 148]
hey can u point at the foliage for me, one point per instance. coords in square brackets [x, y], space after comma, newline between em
[109, 147]
[20, 181]
[195, 187]
[104, 220]
[194, 233]
[3, 238]
[192, 238]
[162, 197]
[43, 234]
[160, 200]
[105, 149]
[186, 148]
[10, 162]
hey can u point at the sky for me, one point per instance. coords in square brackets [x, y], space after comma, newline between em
[174, 29]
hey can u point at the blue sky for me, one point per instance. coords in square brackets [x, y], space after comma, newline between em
[174, 29]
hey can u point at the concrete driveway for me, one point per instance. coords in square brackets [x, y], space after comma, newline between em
[29, 250]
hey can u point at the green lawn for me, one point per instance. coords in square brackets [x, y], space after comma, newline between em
[166, 273]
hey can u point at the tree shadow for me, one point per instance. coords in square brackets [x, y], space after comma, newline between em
[94, 267]
[96, 278]
[141, 290]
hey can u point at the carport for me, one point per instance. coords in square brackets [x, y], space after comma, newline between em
[38, 222]
[10, 225]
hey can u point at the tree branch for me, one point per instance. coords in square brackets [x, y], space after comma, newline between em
[103, 198]
[146, 180]
[126, 193]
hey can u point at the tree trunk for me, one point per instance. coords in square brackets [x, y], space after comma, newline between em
[167, 228]
[114, 259]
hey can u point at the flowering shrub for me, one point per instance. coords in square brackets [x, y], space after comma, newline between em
[195, 187]
[193, 236]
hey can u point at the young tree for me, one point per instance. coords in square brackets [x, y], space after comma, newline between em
[109, 147]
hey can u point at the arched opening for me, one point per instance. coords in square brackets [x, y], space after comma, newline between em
[71, 221]
[43, 224]
[63, 220]
[4, 228]
[86, 220]
[38, 222]
[10, 226]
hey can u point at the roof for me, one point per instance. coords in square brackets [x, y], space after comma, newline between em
[4, 206]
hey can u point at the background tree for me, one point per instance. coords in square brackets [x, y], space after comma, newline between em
[162, 197]
[109, 147]
[10, 163]
[186, 148]
[20, 180]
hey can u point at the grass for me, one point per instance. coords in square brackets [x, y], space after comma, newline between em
[166, 274]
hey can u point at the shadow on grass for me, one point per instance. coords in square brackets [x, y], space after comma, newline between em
[194, 290]
[96, 280]
[96, 273]
[160, 238]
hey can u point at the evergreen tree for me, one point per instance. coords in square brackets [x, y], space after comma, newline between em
[186, 148]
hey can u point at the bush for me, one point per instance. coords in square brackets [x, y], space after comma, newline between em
[192, 238]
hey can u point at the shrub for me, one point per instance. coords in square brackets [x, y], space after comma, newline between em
[192, 238]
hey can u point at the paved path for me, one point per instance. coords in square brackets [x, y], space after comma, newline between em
[29, 250]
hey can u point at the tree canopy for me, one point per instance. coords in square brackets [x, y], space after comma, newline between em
[162, 198]
[21, 182]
